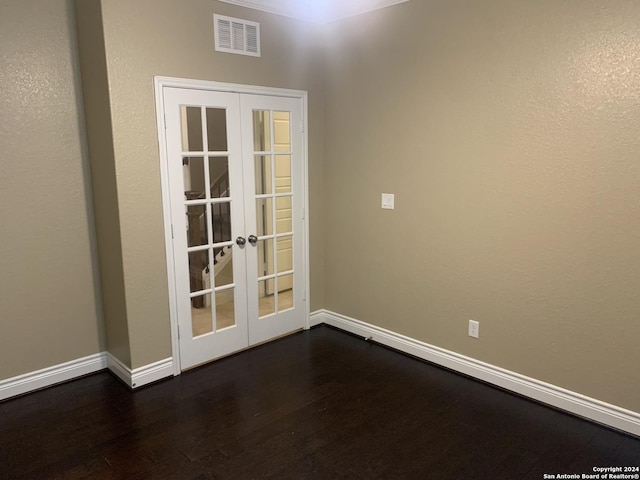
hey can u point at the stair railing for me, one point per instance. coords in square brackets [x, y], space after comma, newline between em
[220, 228]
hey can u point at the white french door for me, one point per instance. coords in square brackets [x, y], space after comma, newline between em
[235, 181]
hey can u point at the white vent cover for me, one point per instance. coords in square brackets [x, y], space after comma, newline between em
[234, 35]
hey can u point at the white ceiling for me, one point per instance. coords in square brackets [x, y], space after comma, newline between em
[320, 11]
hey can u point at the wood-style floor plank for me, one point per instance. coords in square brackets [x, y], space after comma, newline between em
[320, 404]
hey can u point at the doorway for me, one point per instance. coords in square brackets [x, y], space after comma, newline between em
[234, 176]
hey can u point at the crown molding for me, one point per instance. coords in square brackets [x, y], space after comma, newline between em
[322, 12]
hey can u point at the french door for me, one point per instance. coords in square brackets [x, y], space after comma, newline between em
[236, 193]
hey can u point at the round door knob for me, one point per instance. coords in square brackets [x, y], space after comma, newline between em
[241, 241]
[252, 239]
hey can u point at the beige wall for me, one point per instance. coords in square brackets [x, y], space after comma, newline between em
[49, 309]
[175, 38]
[509, 132]
[95, 91]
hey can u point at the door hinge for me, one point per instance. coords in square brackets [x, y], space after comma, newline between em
[178, 331]
[303, 214]
[164, 117]
[172, 230]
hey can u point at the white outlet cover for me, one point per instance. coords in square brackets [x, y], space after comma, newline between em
[474, 329]
[388, 201]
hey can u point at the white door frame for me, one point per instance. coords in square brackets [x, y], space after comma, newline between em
[160, 83]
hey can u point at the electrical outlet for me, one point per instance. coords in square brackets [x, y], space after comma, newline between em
[474, 329]
[388, 201]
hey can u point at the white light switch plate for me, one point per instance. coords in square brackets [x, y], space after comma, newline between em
[388, 201]
[474, 329]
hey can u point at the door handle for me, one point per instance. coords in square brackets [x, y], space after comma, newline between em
[253, 240]
[240, 241]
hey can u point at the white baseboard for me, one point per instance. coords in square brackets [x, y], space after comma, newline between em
[318, 317]
[143, 375]
[49, 376]
[558, 397]
[152, 372]
[119, 369]
[52, 375]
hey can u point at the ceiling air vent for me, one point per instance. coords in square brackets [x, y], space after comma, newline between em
[234, 35]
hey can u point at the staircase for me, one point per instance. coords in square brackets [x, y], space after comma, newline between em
[199, 267]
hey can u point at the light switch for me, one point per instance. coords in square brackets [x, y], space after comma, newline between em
[388, 201]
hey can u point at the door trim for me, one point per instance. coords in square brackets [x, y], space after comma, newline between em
[159, 84]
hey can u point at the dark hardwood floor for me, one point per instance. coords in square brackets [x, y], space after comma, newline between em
[319, 404]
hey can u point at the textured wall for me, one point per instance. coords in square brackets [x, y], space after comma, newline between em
[509, 132]
[175, 38]
[49, 309]
[95, 91]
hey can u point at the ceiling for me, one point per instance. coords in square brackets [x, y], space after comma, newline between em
[319, 11]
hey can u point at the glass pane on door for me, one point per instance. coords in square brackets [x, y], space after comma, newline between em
[283, 173]
[225, 311]
[221, 222]
[264, 216]
[285, 292]
[281, 131]
[266, 298]
[197, 225]
[261, 130]
[265, 257]
[263, 174]
[219, 177]
[199, 273]
[193, 178]
[201, 322]
[223, 266]
[285, 254]
[191, 120]
[274, 200]
[283, 214]
[216, 129]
